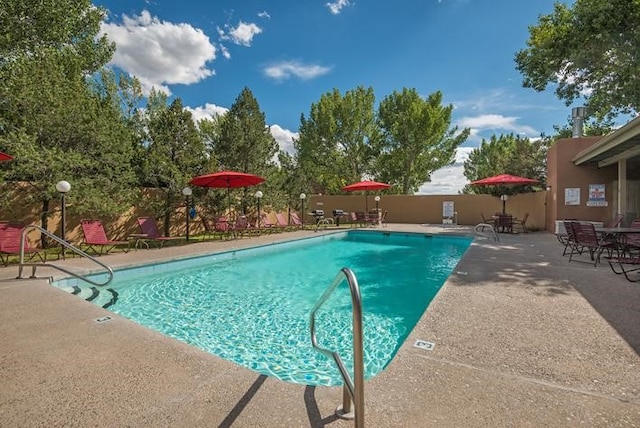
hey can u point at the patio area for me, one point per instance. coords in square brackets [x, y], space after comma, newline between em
[522, 338]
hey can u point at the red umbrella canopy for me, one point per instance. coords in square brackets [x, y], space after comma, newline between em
[226, 179]
[366, 185]
[5, 157]
[504, 180]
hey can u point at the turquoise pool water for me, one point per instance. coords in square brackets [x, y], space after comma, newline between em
[252, 306]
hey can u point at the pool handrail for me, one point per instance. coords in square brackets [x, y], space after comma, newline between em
[480, 227]
[64, 244]
[353, 389]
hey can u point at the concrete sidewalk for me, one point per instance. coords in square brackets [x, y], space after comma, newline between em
[522, 339]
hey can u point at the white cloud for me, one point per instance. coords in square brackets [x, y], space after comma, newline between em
[224, 51]
[160, 53]
[287, 69]
[450, 179]
[336, 7]
[495, 122]
[264, 14]
[284, 137]
[243, 34]
[207, 111]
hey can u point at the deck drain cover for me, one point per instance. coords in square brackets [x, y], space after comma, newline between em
[423, 344]
[103, 319]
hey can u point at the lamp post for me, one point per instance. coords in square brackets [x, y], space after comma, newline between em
[258, 196]
[63, 188]
[187, 193]
[504, 198]
[377, 199]
[302, 198]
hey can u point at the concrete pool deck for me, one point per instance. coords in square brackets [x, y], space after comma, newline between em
[523, 338]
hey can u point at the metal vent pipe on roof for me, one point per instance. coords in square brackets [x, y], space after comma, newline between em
[578, 114]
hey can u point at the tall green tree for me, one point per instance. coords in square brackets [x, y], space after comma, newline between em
[589, 49]
[57, 117]
[506, 154]
[416, 139]
[175, 153]
[244, 143]
[33, 28]
[334, 144]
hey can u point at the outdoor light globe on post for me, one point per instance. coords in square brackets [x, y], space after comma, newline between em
[63, 187]
[258, 196]
[187, 193]
[377, 199]
[504, 198]
[302, 198]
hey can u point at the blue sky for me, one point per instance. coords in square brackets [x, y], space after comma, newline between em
[289, 53]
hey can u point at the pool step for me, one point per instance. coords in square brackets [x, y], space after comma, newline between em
[103, 297]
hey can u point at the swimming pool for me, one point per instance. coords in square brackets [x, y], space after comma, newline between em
[252, 306]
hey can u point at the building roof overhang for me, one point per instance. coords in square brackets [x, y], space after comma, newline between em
[624, 143]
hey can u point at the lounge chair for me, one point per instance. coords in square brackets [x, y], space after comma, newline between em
[10, 236]
[95, 238]
[586, 238]
[282, 221]
[150, 233]
[295, 221]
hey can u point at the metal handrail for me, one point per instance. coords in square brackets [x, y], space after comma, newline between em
[480, 231]
[65, 244]
[353, 389]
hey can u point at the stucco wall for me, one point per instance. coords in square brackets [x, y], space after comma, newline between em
[420, 209]
[563, 174]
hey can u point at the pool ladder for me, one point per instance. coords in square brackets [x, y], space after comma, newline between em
[65, 245]
[353, 390]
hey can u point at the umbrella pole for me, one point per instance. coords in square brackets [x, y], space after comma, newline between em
[366, 203]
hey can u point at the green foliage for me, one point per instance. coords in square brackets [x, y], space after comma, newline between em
[416, 139]
[241, 141]
[175, 153]
[34, 28]
[587, 50]
[58, 128]
[334, 143]
[506, 154]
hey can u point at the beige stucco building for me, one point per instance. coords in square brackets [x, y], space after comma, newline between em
[594, 178]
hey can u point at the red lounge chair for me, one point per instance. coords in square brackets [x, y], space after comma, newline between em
[149, 229]
[282, 221]
[10, 235]
[95, 238]
[295, 221]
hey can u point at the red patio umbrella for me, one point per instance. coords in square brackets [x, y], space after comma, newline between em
[504, 180]
[226, 180]
[364, 186]
[5, 157]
